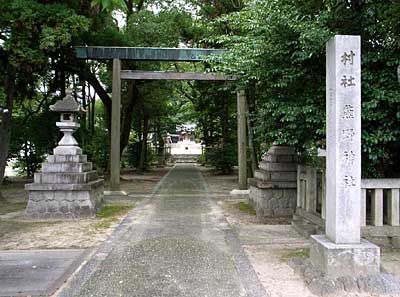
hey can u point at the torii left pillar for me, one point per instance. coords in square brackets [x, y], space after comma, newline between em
[242, 159]
[115, 155]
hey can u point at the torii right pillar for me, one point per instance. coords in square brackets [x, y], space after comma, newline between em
[341, 251]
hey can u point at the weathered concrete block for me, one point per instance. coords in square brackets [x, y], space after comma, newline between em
[272, 202]
[67, 158]
[338, 260]
[262, 175]
[64, 204]
[67, 189]
[287, 176]
[268, 176]
[64, 187]
[396, 241]
[283, 212]
[279, 158]
[278, 166]
[65, 177]
[67, 150]
[281, 150]
[273, 189]
[67, 167]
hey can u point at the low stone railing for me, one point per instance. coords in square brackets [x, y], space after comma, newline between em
[311, 195]
[384, 205]
[380, 205]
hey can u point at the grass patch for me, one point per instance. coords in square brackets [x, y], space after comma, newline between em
[7, 207]
[299, 253]
[245, 207]
[110, 213]
[113, 210]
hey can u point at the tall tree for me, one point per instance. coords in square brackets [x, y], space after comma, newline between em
[31, 33]
[281, 46]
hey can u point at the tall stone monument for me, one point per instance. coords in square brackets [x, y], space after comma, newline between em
[68, 186]
[342, 252]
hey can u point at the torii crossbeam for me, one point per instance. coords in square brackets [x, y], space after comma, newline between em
[158, 54]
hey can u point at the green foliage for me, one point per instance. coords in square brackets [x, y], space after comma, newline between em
[282, 51]
[223, 158]
[276, 47]
[110, 5]
[133, 155]
[279, 47]
[34, 36]
[32, 142]
[165, 29]
[98, 149]
[36, 30]
[202, 160]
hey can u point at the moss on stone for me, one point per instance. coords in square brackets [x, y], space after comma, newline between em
[113, 210]
[245, 207]
[297, 253]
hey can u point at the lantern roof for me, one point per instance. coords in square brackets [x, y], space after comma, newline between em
[67, 104]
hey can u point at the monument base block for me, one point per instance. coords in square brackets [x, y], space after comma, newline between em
[67, 188]
[59, 203]
[340, 260]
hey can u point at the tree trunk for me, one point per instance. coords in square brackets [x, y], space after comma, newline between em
[6, 120]
[92, 114]
[126, 113]
[160, 147]
[84, 115]
[140, 167]
[224, 122]
[62, 77]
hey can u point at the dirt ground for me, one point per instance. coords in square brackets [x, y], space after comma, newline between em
[133, 183]
[19, 233]
[220, 185]
[270, 245]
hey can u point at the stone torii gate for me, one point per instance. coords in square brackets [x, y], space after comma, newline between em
[159, 54]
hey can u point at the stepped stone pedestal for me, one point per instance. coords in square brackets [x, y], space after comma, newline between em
[67, 187]
[273, 189]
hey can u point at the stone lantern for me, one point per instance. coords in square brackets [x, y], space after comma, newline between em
[67, 186]
[68, 109]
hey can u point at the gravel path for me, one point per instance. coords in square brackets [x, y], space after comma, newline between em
[177, 244]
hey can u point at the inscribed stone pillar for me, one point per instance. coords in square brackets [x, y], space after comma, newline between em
[343, 109]
[342, 252]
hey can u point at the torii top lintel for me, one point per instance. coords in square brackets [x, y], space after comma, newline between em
[146, 53]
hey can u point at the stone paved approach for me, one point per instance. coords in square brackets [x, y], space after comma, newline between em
[177, 244]
[36, 272]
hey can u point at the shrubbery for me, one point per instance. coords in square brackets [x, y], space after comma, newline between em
[223, 158]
